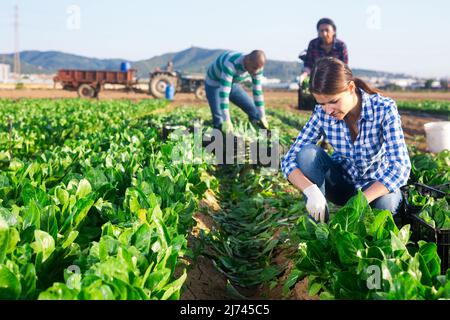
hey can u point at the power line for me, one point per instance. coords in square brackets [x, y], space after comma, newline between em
[16, 42]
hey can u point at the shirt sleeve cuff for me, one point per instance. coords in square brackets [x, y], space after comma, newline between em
[287, 170]
[391, 181]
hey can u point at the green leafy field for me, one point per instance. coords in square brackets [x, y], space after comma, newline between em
[428, 106]
[92, 206]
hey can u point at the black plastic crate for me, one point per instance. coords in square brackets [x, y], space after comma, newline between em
[406, 209]
[430, 191]
[244, 150]
[423, 231]
[424, 190]
[409, 210]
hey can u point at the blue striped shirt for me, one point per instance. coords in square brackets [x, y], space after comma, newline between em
[378, 153]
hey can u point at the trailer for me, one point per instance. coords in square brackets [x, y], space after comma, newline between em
[89, 83]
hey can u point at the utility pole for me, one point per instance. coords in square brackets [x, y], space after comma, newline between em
[16, 42]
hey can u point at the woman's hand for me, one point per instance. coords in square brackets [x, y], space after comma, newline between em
[316, 204]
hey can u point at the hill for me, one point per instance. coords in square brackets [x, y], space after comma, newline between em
[191, 60]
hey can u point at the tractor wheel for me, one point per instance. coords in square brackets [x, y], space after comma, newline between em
[200, 92]
[86, 91]
[158, 85]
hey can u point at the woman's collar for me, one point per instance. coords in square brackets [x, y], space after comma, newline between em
[366, 106]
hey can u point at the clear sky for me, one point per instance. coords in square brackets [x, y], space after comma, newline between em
[412, 36]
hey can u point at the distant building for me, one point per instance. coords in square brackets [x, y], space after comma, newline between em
[404, 83]
[4, 73]
[436, 84]
[420, 84]
[269, 81]
[399, 82]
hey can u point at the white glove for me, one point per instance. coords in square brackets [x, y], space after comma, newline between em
[227, 127]
[264, 123]
[316, 205]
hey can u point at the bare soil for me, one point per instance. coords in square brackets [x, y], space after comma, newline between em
[272, 97]
[205, 282]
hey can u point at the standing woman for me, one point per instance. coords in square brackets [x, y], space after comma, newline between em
[325, 45]
[364, 129]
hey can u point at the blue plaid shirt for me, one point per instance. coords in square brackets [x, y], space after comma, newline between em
[378, 153]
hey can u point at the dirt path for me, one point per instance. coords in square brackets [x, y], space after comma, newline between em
[205, 281]
[413, 127]
[288, 98]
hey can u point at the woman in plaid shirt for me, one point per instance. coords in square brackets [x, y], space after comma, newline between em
[325, 45]
[364, 129]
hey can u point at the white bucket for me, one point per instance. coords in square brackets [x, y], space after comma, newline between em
[438, 136]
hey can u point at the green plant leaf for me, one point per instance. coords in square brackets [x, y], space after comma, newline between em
[314, 288]
[4, 241]
[10, 287]
[32, 217]
[44, 244]
[59, 291]
[158, 279]
[84, 188]
[349, 216]
[348, 247]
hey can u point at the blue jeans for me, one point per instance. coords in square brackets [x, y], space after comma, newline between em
[238, 96]
[318, 167]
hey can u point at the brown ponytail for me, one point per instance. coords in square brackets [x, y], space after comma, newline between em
[331, 76]
[361, 84]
